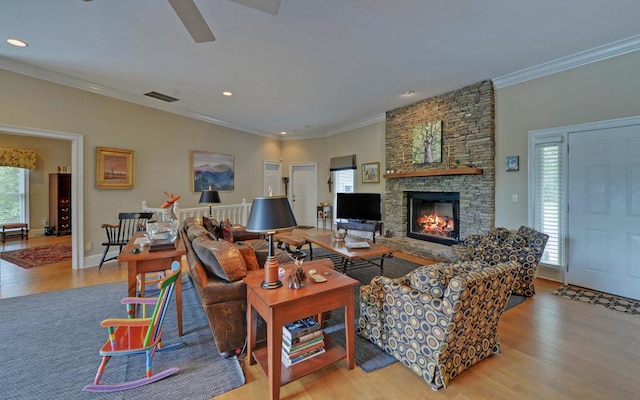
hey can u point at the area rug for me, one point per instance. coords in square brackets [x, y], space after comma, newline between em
[38, 256]
[50, 345]
[610, 301]
[368, 356]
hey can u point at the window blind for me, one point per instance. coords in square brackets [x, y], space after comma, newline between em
[549, 196]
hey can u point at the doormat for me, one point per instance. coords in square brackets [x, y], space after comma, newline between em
[38, 256]
[610, 301]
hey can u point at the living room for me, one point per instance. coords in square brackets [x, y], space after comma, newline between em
[162, 141]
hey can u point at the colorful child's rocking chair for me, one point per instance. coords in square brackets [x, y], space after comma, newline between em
[137, 335]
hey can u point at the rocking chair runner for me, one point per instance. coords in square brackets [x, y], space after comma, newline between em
[120, 234]
[137, 335]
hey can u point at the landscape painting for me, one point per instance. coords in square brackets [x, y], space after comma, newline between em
[212, 170]
[427, 143]
[114, 168]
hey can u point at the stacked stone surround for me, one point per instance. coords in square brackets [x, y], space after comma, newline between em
[468, 131]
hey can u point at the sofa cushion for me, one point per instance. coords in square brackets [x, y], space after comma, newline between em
[190, 221]
[221, 258]
[434, 279]
[196, 230]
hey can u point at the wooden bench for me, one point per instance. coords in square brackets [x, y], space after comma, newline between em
[20, 230]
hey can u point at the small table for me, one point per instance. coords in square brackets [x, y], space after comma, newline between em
[348, 256]
[145, 261]
[282, 305]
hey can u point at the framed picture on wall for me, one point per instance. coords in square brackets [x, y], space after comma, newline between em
[513, 163]
[371, 172]
[115, 168]
[212, 170]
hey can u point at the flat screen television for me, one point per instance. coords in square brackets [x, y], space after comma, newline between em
[358, 206]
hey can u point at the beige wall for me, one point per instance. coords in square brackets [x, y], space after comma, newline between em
[604, 90]
[367, 143]
[162, 143]
[50, 153]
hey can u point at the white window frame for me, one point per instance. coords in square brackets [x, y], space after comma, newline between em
[23, 193]
[557, 243]
[341, 182]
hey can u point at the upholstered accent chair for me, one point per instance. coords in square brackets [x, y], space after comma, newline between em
[439, 319]
[501, 245]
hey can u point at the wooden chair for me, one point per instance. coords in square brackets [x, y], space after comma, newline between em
[119, 235]
[137, 335]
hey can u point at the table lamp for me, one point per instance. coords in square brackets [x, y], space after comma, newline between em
[209, 196]
[268, 215]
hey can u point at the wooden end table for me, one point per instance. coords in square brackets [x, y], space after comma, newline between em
[146, 261]
[282, 305]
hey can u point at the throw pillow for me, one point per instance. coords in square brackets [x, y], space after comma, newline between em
[221, 258]
[212, 225]
[249, 255]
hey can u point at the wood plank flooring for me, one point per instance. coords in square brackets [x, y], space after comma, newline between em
[552, 348]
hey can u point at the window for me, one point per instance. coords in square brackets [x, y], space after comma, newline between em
[344, 183]
[14, 199]
[547, 208]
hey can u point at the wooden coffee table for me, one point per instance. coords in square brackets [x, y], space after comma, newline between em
[375, 254]
[282, 305]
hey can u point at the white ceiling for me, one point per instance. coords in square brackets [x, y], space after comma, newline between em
[317, 68]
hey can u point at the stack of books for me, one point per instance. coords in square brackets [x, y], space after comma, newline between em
[301, 340]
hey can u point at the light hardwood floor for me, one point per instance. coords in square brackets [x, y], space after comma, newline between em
[552, 348]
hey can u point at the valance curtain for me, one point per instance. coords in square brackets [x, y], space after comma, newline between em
[342, 163]
[20, 158]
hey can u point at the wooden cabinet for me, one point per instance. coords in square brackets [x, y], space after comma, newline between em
[60, 203]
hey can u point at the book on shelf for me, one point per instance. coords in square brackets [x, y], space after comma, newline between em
[299, 328]
[303, 350]
[289, 362]
[299, 340]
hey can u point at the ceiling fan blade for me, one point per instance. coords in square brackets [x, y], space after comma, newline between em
[192, 20]
[269, 6]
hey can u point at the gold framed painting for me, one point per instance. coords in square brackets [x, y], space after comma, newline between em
[371, 172]
[115, 168]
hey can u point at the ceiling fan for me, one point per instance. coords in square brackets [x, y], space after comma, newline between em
[190, 16]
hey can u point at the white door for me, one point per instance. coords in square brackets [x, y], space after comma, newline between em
[604, 210]
[271, 178]
[304, 192]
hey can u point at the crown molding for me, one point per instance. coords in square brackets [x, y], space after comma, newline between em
[33, 71]
[359, 124]
[610, 50]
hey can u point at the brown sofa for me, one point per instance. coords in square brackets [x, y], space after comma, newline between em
[216, 269]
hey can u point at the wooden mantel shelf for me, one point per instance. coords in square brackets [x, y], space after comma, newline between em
[435, 172]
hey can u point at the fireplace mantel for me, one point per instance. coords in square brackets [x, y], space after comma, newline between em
[435, 172]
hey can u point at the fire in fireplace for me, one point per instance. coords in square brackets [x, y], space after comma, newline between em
[434, 216]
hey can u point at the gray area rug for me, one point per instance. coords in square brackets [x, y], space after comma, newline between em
[368, 356]
[50, 343]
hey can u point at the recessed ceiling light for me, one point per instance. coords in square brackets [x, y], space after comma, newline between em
[227, 93]
[17, 42]
[283, 133]
[408, 93]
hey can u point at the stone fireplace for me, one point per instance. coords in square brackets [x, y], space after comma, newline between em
[468, 135]
[434, 216]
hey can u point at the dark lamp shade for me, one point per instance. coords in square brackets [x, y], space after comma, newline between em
[209, 196]
[270, 214]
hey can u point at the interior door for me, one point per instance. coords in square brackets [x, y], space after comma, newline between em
[271, 178]
[604, 210]
[303, 195]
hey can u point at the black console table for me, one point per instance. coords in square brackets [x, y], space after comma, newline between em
[361, 226]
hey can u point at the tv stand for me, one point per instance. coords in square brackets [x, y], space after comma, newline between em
[365, 226]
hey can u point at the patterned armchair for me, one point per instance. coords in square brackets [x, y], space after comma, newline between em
[501, 245]
[439, 319]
